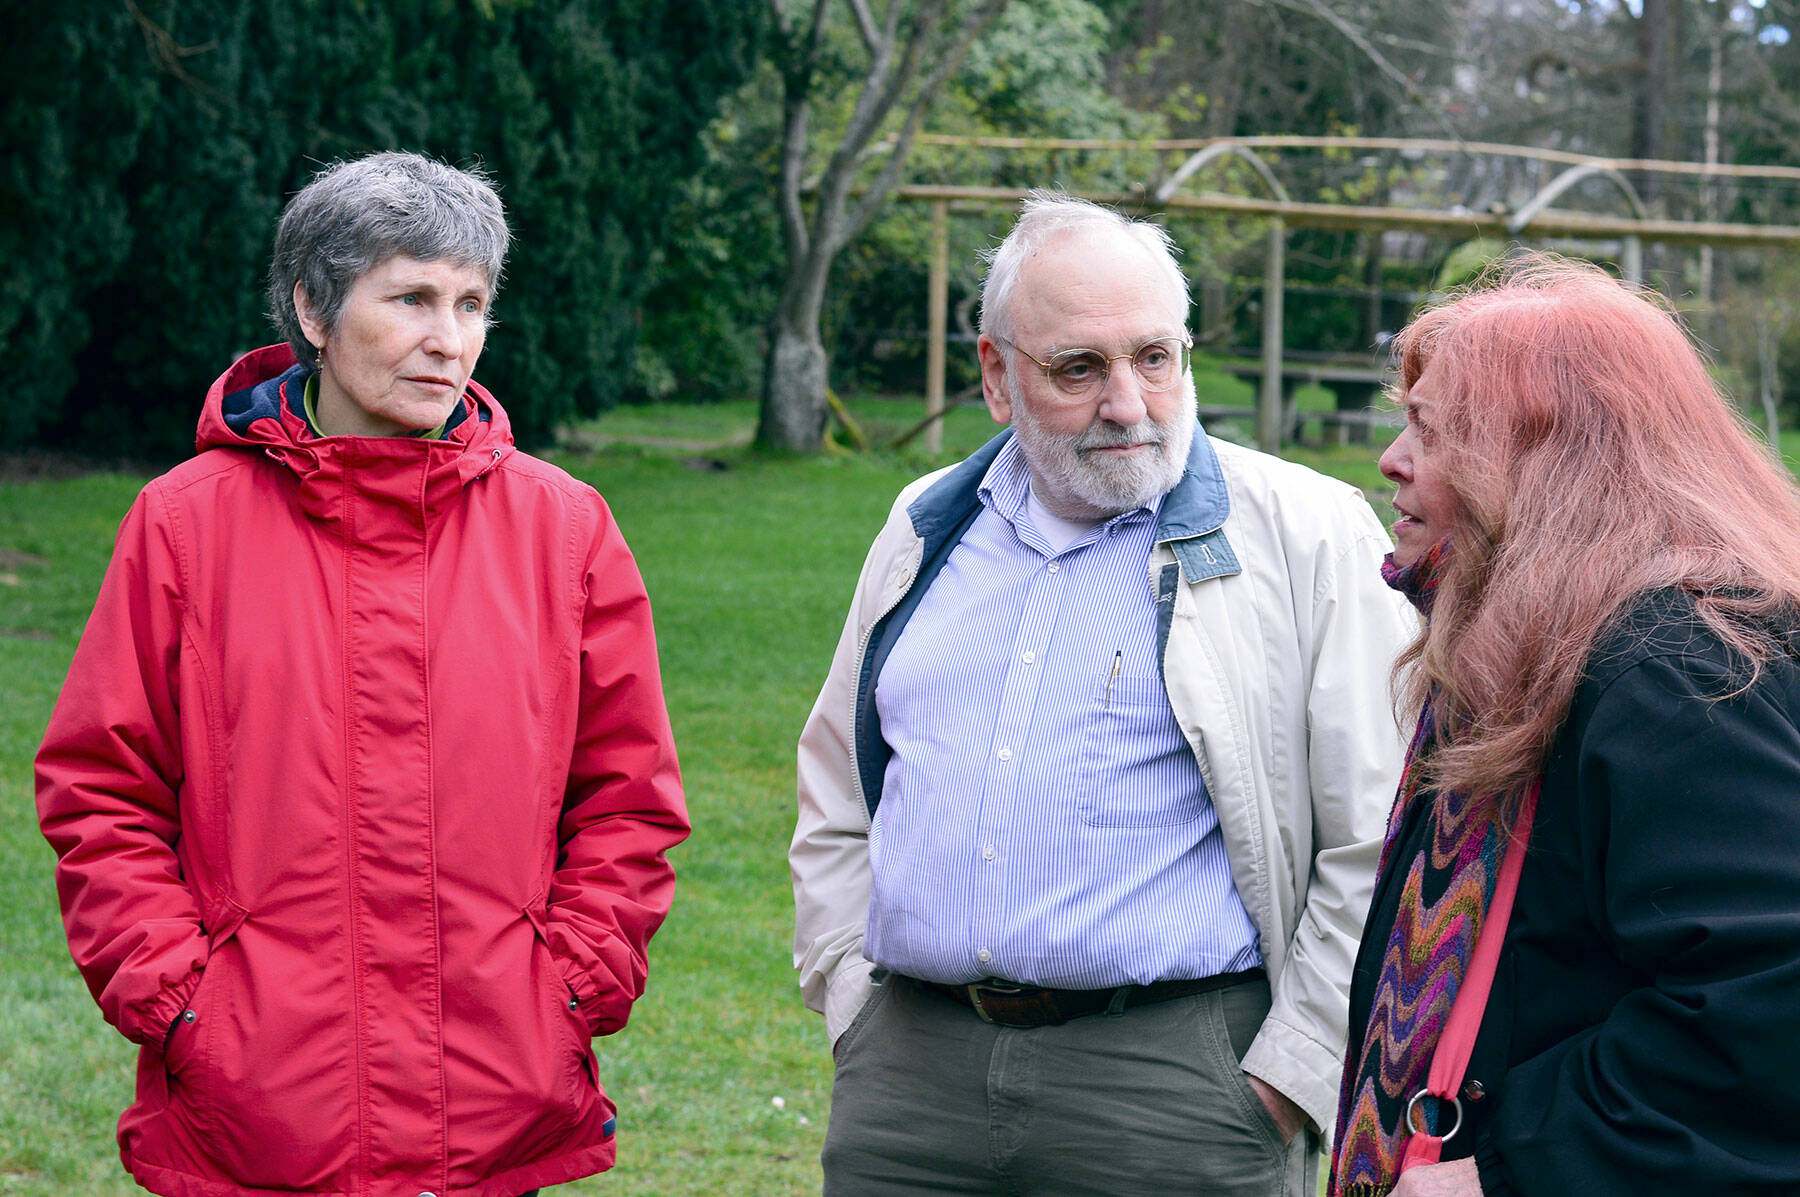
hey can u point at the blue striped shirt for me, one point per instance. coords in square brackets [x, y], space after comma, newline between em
[1043, 819]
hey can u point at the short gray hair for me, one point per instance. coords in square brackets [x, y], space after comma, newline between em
[355, 215]
[1045, 214]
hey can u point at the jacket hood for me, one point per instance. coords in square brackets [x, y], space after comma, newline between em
[257, 404]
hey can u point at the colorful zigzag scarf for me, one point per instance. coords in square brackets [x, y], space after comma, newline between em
[1447, 889]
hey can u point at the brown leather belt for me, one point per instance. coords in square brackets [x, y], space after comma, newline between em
[1005, 1004]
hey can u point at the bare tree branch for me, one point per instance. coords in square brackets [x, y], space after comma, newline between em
[947, 64]
[798, 65]
[884, 82]
[882, 89]
[793, 165]
[1769, 92]
[1414, 45]
[1356, 37]
[865, 24]
[168, 53]
[815, 35]
[890, 24]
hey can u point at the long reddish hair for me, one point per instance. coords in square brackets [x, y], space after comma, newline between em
[1590, 458]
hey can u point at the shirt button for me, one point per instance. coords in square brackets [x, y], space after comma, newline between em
[1028, 657]
[984, 955]
[1004, 754]
[1053, 567]
[987, 852]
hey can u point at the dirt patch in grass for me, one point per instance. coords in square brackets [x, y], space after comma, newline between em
[588, 440]
[14, 559]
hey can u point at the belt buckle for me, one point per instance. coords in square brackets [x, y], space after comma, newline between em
[993, 986]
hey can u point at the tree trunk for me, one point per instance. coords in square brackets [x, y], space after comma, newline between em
[793, 401]
[797, 371]
[1709, 192]
[1651, 94]
[1768, 381]
[908, 62]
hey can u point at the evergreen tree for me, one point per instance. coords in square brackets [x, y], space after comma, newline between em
[156, 190]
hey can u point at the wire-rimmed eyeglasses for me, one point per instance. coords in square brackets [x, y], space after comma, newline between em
[1159, 364]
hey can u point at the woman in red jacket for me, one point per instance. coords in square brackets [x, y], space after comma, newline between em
[361, 781]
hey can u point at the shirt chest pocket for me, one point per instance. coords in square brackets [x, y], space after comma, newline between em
[1135, 768]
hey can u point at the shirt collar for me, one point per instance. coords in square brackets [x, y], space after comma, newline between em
[310, 402]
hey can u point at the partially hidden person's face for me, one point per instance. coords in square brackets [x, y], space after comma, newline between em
[403, 349]
[1122, 446]
[1423, 500]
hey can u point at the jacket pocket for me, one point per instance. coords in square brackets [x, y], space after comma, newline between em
[1130, 744]
[580, 1072]
[187, 1047]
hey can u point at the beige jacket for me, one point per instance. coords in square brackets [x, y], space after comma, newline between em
[1280, 636]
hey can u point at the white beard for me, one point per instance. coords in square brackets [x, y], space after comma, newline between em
[1105, 485]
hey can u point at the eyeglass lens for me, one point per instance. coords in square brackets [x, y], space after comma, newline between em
[1077, 372]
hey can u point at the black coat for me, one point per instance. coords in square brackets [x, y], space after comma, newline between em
[1643, 1034]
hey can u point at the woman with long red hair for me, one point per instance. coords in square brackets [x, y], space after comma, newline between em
[1596, 844]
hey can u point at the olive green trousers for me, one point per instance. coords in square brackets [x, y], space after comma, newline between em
[928, 1098]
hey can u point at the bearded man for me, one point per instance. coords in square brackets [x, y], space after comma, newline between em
[1091, 800]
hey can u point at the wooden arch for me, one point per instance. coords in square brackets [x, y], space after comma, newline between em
[1537, 218]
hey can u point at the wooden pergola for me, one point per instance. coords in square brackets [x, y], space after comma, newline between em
[1537, 219]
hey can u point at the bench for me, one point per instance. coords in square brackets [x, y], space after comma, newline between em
[1354, 380]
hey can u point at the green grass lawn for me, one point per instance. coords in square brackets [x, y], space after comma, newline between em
[1789, 444]
[750, 562]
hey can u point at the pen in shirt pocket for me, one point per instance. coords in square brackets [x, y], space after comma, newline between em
[1118, 661]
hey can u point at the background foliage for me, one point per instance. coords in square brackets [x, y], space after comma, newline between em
[147, 147]
[1602, 77]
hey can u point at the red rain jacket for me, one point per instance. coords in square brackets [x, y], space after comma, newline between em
[361, 785]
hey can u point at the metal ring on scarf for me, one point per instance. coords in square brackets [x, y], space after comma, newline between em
[1455, 1105]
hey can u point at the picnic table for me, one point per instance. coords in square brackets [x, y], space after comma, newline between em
[1354, 379]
